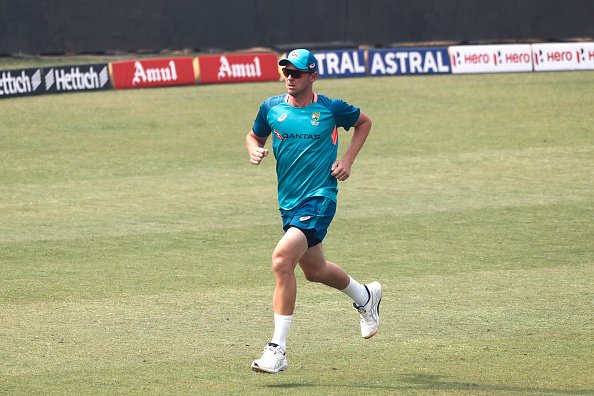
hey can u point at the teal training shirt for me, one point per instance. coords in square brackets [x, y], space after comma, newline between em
[305, 144]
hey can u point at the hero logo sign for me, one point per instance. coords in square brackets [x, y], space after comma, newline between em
[563, 56]
[491, 58]
[153, 73]
[237, 68]
[497, 57]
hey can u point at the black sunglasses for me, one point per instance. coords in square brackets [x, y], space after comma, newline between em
[295, 73]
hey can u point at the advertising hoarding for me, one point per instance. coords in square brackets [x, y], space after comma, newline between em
[395, 62]
[146, 73]
[214, 69]
[491, 58]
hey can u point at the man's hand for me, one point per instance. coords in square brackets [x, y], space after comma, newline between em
[341, 169]
[255, 147]
[257, 154]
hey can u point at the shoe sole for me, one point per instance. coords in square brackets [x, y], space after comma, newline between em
[259, 369]
[378, 321]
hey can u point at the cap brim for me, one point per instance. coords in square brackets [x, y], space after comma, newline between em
[298, 65]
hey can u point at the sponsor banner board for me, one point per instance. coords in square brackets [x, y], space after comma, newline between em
[491, 58]
[147, 73]
[341, 63]
[212, 69]
[76, 78]
[21, 82]
[563, 56]
[395, 62]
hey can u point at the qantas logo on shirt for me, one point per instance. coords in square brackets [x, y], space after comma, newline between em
[284, 136]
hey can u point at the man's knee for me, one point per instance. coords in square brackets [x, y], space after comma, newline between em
[313, 274]
[282, 265]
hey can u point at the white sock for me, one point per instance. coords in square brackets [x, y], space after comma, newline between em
[282, 323]
[357, 292]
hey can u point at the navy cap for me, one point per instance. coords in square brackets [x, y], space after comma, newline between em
[301, 59]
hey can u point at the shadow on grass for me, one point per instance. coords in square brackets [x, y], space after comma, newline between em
[435, 383]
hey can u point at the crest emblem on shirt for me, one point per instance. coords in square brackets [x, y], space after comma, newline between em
[315, 118]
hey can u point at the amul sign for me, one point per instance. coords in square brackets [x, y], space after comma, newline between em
[237, 68]
[147, 73]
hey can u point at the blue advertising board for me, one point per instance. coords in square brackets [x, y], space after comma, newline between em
[341, 63]
[408, 61]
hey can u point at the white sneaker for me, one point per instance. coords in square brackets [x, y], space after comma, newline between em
[272, 361]
[369, 312]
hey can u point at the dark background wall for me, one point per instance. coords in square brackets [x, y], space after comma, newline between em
[89, 26]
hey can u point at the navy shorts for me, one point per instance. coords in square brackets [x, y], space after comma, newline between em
[312, 216]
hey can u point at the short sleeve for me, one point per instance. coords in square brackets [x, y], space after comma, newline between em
[345, 114]
[261, 126]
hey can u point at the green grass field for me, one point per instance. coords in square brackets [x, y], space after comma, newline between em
[135, 242]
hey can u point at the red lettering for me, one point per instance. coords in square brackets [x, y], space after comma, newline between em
[517, 58]
[559, 56]
[476, 59]
[591, 55]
